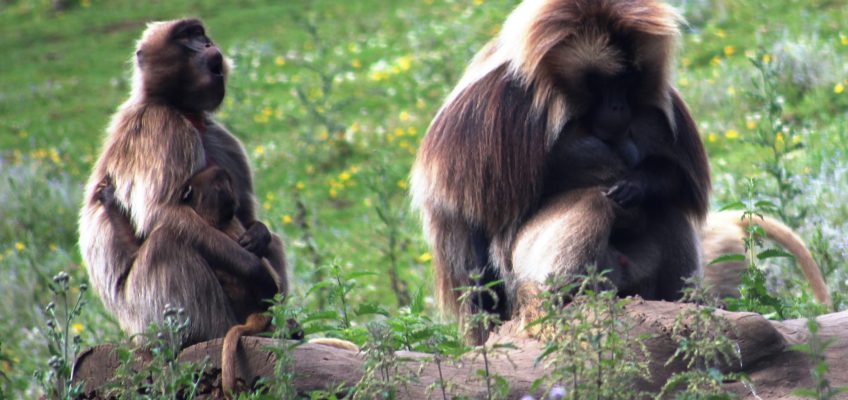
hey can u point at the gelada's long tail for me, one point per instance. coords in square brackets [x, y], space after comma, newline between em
[786, 237]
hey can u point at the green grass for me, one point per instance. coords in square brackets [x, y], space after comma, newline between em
[345, 152]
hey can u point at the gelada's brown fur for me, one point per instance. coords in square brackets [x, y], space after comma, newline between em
[152, 149]
[484, 164]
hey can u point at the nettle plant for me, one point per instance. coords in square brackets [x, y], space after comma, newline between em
[704, 346]
[151, 369]
[590, 349]
[62, 343]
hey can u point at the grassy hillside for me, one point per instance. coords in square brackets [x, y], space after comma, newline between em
[331, 99]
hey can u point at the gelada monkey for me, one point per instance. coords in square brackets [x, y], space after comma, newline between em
[158, 139]
[497, 155]
[210, 194]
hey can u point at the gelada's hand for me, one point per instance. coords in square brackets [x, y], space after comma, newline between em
[256, 239]
[626, 193]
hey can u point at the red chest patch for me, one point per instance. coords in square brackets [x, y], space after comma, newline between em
[197, 121]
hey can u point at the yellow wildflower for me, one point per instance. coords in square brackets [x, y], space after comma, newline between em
[356, 63]
[259, 150]
[731, 91]
[54, 156]
[77, 328]
[729, 50]
[411, 131]
[843, 39]
[402, 184]
[720, 33]
[478, 2]
[712, 137]
[686, 61]
[424, 257]
[731, 134]
[420, 104]
[404, 116]
[344, 176]
[751, 124]
[716, 60]
[683, 82]
[333, 193]
[839, 88]
[399, 132]
[280, 60]
[19, 246]
[287, 219]
[379, 75]
[405, 63]
[766, 58]
[266, 205]
[299, 185]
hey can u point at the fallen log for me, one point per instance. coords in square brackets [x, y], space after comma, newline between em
[773, 369]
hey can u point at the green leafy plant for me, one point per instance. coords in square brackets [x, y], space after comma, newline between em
[5, 363]
[152, 370]
[384, 376]
[476, 328]
[703, 346]
[754, 295]
[62, 343]
[815, 348]
[590, 348]
[392, 214]
[338, 318]
[281, 385]
[416, 331]
[778, 137]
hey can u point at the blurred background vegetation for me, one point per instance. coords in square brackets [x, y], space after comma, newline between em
[331, 100]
